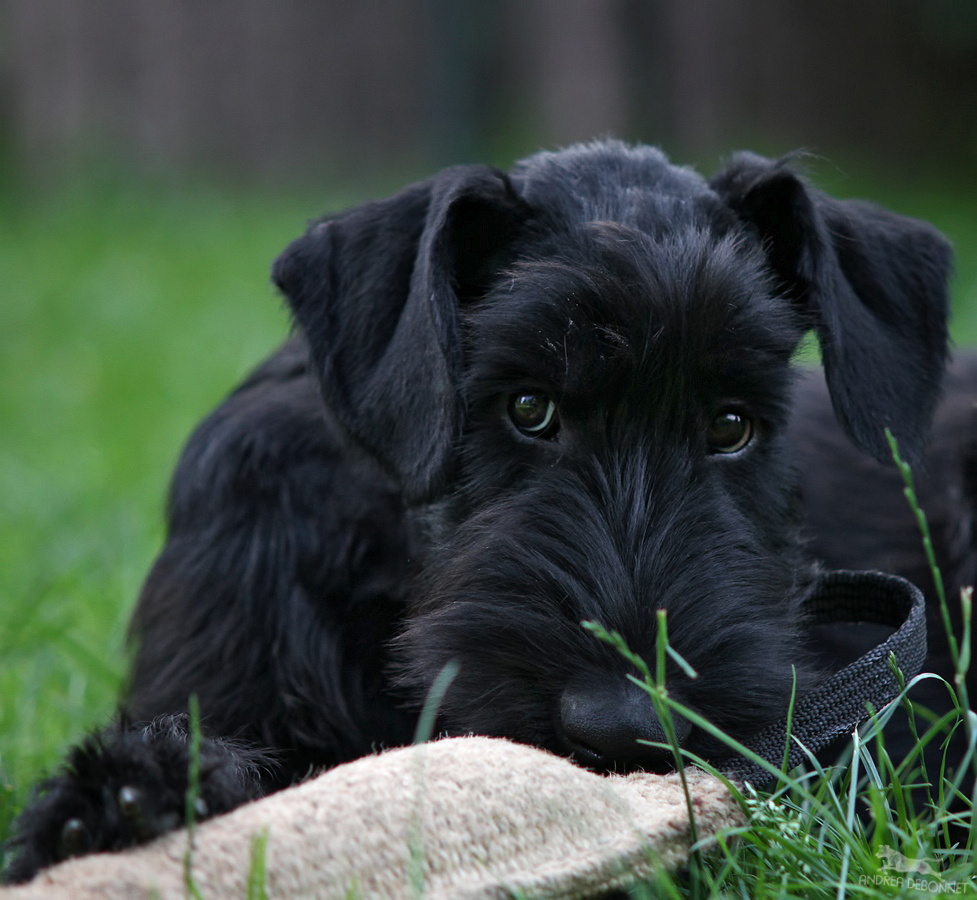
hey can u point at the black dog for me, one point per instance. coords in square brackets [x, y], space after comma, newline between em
[553, 395]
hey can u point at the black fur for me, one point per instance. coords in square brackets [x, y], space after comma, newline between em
[327, 560]
[127, 786]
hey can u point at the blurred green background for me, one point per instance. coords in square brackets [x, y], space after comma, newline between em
[156, 155]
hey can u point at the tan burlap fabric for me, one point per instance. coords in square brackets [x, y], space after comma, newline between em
[465, 817]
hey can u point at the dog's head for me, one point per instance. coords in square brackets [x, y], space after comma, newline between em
[580, 374]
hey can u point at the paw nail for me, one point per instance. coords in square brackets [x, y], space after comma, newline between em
[74, 837]
[130, 802]
[200, 807]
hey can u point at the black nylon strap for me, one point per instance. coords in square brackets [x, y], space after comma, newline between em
[840, 704]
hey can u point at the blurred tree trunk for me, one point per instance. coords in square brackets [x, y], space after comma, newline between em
[700, 93]
[580, 68]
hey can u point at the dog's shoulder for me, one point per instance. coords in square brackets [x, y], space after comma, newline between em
[856, 514]
[273, 438]
[815, 428]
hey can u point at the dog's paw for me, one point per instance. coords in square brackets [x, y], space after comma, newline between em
[127, 786]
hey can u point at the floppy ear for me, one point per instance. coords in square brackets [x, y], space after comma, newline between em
[874, 286]
[376, 291]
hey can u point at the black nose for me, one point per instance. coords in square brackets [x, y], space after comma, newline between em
[606, 725]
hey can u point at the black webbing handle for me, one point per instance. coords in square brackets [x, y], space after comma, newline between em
[837, 706]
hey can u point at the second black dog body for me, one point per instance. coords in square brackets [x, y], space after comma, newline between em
[516, 402]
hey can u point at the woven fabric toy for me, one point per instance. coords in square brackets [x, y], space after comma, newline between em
[460, 817]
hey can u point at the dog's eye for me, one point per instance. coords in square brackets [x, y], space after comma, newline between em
[729, 432]
[534, 414]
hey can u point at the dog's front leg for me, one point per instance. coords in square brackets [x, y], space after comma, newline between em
[282, 579]
[129, 785]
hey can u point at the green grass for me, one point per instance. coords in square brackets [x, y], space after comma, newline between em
[127, 311]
